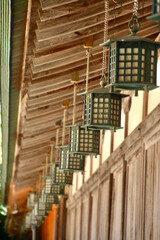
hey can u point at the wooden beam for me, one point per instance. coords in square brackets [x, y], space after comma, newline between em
[77, 13]
[62, 82]
[69, 9]
[65, 62]
[74, 38]
[55, 3]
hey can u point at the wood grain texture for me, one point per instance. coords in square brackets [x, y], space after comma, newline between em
[126, 206]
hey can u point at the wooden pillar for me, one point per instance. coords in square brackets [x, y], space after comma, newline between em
[62, 218]
[145, 104]
[56, 223]
[110, 204]
[112, 142]
[89, 215]
[124, 197]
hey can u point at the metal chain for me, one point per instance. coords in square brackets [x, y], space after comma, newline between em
[74, 103]
[135, 8]
[104, 62]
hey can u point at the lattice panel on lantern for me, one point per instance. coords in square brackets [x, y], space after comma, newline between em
[61, 176]
[48, 183]
[39, 218]
[41, 208]
[156, 6]
[106, 110]
[112, 63]
[132, 63]
[52, 199]
[136, 63]
[63, 156]
[69, 161]
[82, 141]
[87, 109]
[43, 195]
[76, 162]
[57, 190]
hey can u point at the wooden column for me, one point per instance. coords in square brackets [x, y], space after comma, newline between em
[145, 104]
[110, 204]
[62, 218]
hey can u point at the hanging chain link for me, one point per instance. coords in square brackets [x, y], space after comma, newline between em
[104, 59]
[135, 8]
[104, 62]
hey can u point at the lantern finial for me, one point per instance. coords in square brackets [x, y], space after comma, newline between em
[134, 25]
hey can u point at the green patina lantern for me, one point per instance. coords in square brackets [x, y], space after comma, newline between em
[57, 189]
[70, 162]
[53, 189]
[41, 208]
[33, 218]
[83, 141]
[39, 218]
[155, 11]
[61, 177]
[132, 61]
[102, 109]
[48, 184]
[41, 203]
[50, 199]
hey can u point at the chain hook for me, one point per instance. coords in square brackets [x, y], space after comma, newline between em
[134, 25]
[103, 80]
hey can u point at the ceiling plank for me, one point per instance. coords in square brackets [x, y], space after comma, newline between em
[55, 3]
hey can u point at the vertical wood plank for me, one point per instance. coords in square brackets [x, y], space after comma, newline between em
[78, 222]
[116, 208]
[72, 224]
[85, 220]
[94, 220]
[112, 142]
[103, 219]
[156, 205]
[149, 193]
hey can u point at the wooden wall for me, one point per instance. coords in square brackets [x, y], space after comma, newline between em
[121, 199]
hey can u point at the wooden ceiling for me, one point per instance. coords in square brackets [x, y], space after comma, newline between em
[57, 33]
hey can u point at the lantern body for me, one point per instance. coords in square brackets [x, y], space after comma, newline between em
[155, 11]
[39, 218]
[82, 141]
[132, 63]
[61, 177]
[31, 200]
[48, 184]
[41, 203]
[102, 110]
[33, 218]
[50, 199]
[70, 162]
[41, 208]
[57, 190]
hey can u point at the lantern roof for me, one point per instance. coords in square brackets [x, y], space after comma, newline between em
[104, 90]
[131, 38]
[60, 147]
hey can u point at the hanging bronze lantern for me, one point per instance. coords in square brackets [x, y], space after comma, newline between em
[155, 11]
[41, 208]
[70, 162]
[102, 109]
[41, 203]
[50, 199]
[57, 189]
[82, 141]
[61, 177]
[48, 183]
[132, 61]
